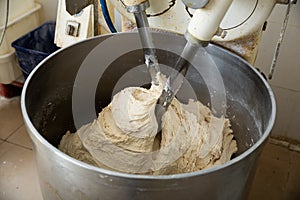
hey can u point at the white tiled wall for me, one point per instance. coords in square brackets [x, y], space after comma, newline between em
[286, 79]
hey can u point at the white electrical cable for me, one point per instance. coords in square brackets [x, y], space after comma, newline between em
[6, 22]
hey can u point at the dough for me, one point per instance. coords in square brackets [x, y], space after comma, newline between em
[124, 137]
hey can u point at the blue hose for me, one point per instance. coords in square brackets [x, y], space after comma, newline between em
[107, 17]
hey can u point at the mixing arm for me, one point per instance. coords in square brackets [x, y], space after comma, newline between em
[206, 20]
[203, 26]
[138, 8]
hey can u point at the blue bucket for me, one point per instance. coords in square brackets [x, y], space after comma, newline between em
[35, 46]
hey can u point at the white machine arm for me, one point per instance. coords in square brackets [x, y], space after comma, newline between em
[206, 21]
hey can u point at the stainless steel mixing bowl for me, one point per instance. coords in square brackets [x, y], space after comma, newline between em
[47, 107]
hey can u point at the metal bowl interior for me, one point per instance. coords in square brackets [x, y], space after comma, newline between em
[48, 96]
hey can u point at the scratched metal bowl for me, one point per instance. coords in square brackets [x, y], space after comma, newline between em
[48, 110]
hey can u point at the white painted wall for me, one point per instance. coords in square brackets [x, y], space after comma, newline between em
[286, 80]
[49, 10]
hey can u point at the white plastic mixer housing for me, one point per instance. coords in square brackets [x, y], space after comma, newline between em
[234, 24]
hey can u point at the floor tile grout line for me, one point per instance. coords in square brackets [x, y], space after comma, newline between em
[13, 132]
[284, 144]
[19, 145]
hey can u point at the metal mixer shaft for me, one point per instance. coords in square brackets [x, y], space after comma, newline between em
[146, 38]
[194, 40]
[175, 80]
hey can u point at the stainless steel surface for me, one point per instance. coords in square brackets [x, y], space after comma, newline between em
[142, 24]
[47, 110]
[76, 6]
[147, 43]
[139, 7]
[175, 80]
[195, 4]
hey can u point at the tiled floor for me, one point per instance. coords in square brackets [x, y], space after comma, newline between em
[18, 177]
[277, 176]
